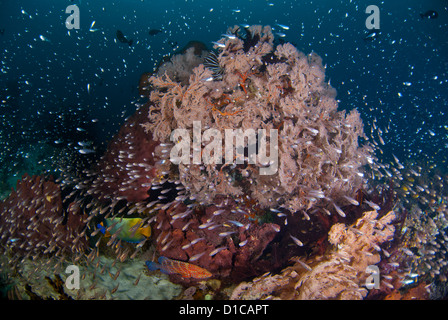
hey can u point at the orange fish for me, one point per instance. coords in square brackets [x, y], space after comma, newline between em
[185, 269]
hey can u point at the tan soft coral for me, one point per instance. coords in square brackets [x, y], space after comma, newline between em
[341, 273]
[263, 87]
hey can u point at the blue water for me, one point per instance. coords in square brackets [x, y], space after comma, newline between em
[400, 79]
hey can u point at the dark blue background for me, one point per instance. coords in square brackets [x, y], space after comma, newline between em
[40, 77]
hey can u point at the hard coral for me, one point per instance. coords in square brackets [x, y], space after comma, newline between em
[263, 87]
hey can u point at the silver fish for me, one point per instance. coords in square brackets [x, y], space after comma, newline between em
[216, 251]
[296, 241]
[197, 256]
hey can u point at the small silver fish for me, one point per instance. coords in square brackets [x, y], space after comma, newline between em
[185, 247]
[196, 240]
[218, 212]
[283, 26]
[197, 256]
[303, 264]
[229, 36]
[243, 243]
[339, 210]
[186, 225]
[165, 191]
[281, 214]
[44, 38]
[296, 241]
[216, 251]
[374, 206]
[225, 234]
[387, 284]
[394, 264]
[206, 225]
[237, 223]
[407, 281]
[86, 151]
[167, 245]
[218, 44]
[351, 200]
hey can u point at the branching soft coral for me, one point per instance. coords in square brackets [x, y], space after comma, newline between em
[268, 88]
[339, 274]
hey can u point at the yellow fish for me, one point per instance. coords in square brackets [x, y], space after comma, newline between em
[130, 229]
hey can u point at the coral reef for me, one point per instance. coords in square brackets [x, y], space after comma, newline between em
[218, 238]
[340, 273]
[130, 164]
[289, 212]
[262, 87]
[250, 85]
[425, 239]
[103, 279]
[179, 68]
[34, 222]
[416, 265]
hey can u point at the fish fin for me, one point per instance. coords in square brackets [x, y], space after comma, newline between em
[103, 229]
[152, 266]
[163, 259]
[133, 241]
[130, 42]
[146, 231]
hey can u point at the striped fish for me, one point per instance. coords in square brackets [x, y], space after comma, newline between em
[212, 62]
[185, 269]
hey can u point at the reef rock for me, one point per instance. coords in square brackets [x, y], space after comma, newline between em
[218, 238]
